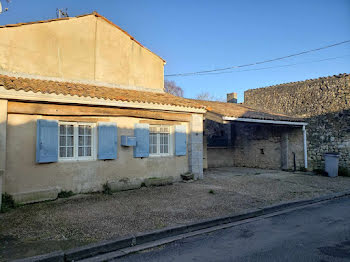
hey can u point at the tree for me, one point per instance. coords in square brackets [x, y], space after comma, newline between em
[208, 97]
[171, 88]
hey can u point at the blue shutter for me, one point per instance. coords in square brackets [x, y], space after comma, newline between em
[180, 141]
[107, 140]
[46, 141]
[141, 133]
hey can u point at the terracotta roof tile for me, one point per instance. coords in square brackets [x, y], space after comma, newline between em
[119, 94]
[84, 90]
[241, 111]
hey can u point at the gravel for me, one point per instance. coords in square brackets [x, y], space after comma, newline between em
[65, 223]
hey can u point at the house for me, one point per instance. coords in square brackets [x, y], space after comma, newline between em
[323, 103]
[82, 104]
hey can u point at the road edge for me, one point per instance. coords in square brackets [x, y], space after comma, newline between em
[114, 245]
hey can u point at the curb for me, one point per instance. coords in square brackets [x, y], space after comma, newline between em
[116, 244]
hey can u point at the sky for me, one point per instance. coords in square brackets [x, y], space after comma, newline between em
[208, 34]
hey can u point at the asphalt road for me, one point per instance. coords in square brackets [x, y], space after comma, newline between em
[319, 232]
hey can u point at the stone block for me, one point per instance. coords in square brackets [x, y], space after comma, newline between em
[158, 181]
[125, 184]
[187, 176]
[36, 196]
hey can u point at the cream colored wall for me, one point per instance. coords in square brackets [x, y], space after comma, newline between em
[120, 60]
[59, 49]
[85, 48]
[24, 175]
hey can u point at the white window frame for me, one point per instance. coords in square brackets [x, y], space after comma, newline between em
[76, 142]
[170, 142]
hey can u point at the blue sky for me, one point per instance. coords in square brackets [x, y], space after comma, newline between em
[206, 34]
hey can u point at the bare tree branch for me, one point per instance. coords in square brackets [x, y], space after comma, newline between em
[208, 97]
[171, 88]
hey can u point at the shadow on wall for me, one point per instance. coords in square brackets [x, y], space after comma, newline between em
[254, 145]
[328, 132]
[323, 103]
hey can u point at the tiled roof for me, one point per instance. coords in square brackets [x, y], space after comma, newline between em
[84, 90]
[241, 111]
[120, 94]
[68, 18]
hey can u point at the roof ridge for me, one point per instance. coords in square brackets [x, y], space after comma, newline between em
[45, 21]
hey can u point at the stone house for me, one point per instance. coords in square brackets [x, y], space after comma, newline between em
[324, 103]
[82, 103]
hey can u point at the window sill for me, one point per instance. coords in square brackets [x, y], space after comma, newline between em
[160, 156]
[76, 160]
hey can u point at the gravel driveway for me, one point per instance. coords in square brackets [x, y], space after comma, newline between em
[66, 223]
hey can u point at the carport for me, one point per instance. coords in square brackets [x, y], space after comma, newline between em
[240, 136]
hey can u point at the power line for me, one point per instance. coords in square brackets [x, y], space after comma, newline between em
[264, 68]
[260, 62]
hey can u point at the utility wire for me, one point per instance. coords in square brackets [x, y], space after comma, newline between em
[257, 63]
[264, 68]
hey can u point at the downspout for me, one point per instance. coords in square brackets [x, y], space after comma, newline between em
[305, 147]
[3, 150]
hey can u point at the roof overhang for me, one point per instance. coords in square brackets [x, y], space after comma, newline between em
[263, 121]
[227, 119]
[22, 95]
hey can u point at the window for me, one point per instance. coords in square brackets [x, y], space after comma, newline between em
[84, 136]
[76, 141]
[160, 141]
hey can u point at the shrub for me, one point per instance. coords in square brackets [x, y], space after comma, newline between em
[65, 194]
[343, 171]
[302, 169]
[106, 189]
[7, 203]
[321, 172]
[211, 191]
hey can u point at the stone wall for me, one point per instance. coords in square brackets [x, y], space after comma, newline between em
[324, 103]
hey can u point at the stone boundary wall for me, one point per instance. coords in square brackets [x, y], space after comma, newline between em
[323, 102]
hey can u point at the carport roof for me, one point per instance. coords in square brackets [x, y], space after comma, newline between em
[232, 111]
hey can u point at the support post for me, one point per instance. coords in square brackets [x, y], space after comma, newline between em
[284, 151]
[305, 147]
[3, 127]
[196, 146]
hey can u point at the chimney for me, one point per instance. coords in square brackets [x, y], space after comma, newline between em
[232, 98]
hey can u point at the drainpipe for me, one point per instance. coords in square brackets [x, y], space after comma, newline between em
[305, 147]
[3, 152]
